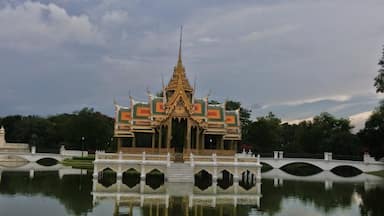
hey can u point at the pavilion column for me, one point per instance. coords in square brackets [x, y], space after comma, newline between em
[153, 140]
[160, 137]
[202, 141]
[188, 135]
[119, 140]
[197, 145]
[222, 143]
[169, 134]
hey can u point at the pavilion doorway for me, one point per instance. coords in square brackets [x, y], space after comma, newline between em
[179, 134]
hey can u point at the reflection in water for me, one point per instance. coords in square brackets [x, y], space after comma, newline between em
[82, 195]
[179, 199]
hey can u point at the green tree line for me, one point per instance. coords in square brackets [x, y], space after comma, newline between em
[265, 134]
[49, 133]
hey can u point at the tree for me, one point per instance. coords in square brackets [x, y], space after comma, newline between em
[373, 133]
[379, 79]
[265, 133]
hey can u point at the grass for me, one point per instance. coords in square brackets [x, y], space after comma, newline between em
[377, 173]
[80, 162]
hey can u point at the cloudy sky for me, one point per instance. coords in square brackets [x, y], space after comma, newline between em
[296, 58]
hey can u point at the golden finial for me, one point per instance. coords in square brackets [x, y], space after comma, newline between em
[181, 39]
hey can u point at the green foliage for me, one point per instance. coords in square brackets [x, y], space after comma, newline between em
[324, 133]
[379, 79]
[48, 134]
[372, 135]
[264, 133]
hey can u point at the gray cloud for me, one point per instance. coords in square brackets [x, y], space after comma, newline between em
[60, 55]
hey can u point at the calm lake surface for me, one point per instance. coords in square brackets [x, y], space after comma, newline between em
[45, 193]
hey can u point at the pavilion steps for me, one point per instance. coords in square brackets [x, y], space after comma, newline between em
[180, 172]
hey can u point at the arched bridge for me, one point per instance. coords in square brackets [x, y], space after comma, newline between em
[30, 156]
[33, 156]
[368, 164]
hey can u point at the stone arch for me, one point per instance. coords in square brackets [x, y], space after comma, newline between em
[107, 177]
[106, 166]
[265, 166]
[203, 179]
[346, 170]
[247, 179]
[307, 170]
[154, 178]
[131, 177]
[224, 179]
[47, 161]
[206, 169]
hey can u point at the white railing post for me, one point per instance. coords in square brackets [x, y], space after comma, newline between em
[258, 159]
[275, 155]
[120, 155]
[33, 149]
[192, 160]
[143, 157]
[330, 156]
[281, 154]
[62, 150]
[214, 158]
[326, 156]
[168, 159]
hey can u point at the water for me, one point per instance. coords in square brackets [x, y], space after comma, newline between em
[45, 193]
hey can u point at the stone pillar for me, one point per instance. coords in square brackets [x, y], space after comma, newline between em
[275, 155]
[119, 143]
[188, 135]
[33, 149]
[95, 171]
[281, 153]
[197, 137]
[202, 141]
[142, 173]
[222, 143]
[169, 134]
[153, 140]
[160, 137]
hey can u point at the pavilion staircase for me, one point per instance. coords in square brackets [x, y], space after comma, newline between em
[180, 172]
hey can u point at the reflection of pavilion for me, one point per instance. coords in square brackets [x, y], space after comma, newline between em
[174, 198]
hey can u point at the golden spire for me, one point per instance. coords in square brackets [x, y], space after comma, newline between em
[179, 72]
[181, 40]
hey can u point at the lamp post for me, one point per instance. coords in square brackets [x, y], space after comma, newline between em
[82, 146]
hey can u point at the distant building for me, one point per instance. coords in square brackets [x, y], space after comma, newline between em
[177, 121]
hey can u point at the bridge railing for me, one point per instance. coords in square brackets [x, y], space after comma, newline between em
[237, 158]
[348, 157]
[303, 155]
[100, 155]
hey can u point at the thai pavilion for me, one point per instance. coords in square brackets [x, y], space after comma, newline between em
[177, 122]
